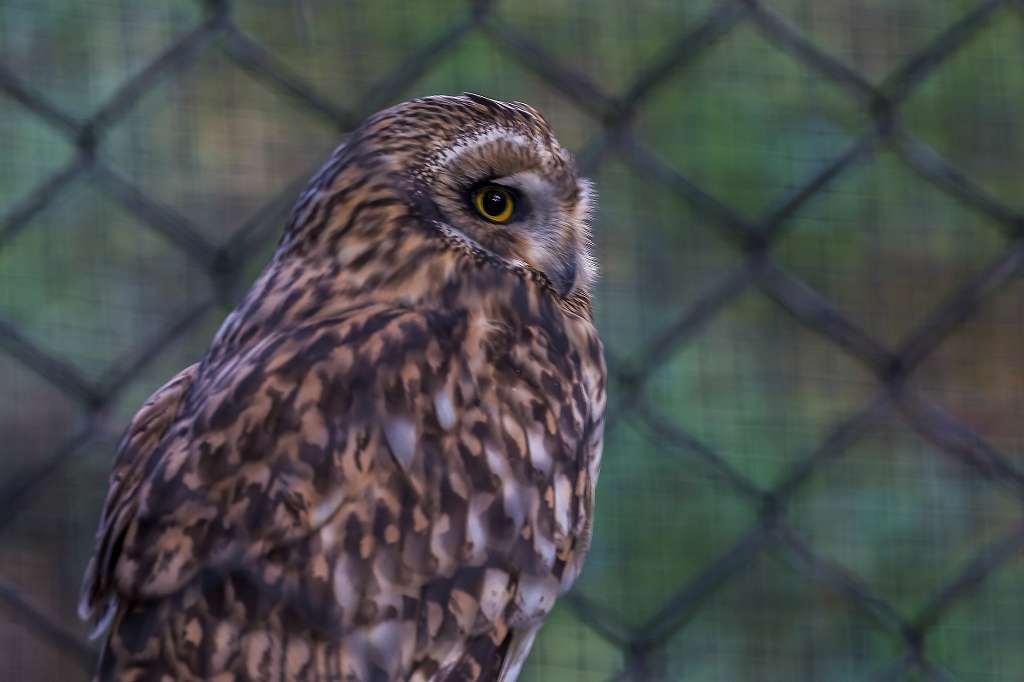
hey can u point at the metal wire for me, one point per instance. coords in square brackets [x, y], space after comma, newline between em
[772, 531]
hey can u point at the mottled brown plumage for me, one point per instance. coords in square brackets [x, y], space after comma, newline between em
[384, 466]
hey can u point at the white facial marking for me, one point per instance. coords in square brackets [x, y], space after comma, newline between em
[559, 241]
[476, 140]
[449, 231]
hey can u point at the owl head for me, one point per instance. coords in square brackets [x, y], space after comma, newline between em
[490, 175]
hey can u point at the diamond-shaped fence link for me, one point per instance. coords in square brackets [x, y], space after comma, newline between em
[777, 523]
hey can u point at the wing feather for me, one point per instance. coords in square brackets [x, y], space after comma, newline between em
[354, 487]
[141, 439]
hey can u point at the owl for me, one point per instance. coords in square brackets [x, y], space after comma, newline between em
[384, 466]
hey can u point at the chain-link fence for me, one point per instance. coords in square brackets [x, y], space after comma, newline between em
[812, 237]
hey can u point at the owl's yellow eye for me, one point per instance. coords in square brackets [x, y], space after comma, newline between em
[494, 203]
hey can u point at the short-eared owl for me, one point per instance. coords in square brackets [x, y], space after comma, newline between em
[384, 466]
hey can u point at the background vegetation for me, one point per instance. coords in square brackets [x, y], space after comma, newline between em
[88, 281]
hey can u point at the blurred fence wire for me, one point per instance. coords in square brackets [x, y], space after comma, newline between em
[757, 268]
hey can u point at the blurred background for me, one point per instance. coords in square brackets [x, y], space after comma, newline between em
[810, 233]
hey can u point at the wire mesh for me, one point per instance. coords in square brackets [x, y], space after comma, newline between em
[812, 239]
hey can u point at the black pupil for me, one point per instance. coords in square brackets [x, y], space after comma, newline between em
[494, 202]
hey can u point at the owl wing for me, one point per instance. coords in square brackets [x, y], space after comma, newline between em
[140, 440]
[403, 490]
